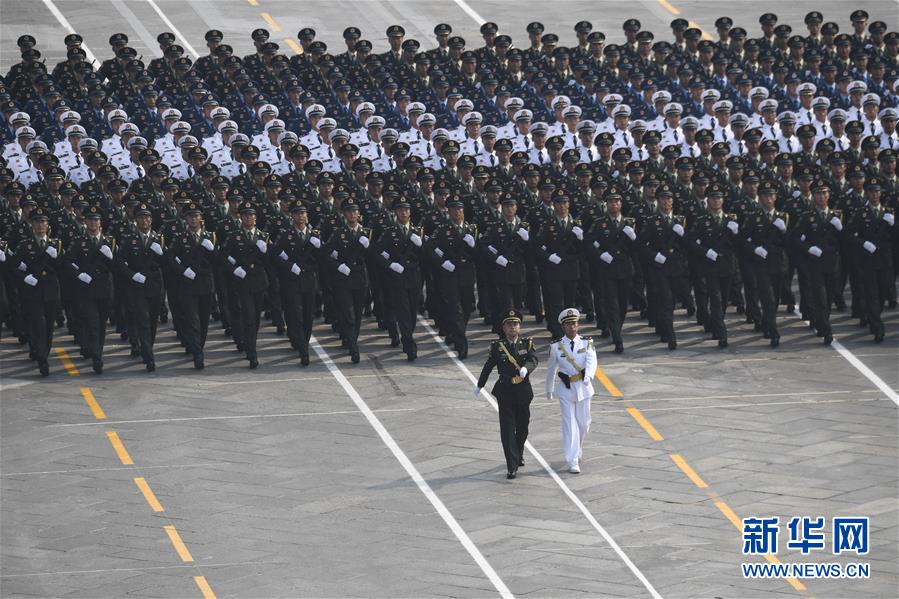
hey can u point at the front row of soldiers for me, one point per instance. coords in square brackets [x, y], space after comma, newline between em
[240, 270]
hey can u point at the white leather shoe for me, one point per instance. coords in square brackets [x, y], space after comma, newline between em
[574, 468]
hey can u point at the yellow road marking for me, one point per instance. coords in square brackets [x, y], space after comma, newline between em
[92, 403]
[271, 22]
[772, 559]
[253, 2]
[607, 383]
[148, 494]
[298, 49]
[64, 358]
[204, 587]
[729, 514]
[668, 7]
[119, 448]
[179, 545]
[705, 34]
[647, 426]
[691, 474]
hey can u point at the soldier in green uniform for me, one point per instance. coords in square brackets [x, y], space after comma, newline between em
[515, 359]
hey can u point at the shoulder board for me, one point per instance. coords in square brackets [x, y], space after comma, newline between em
[530, 344]
[629, 221]
[838, 214]
[474, 229]
[112, 246]
[731, 216]
[316, 232]
[525, 225]
[575, 221]
[213, 237]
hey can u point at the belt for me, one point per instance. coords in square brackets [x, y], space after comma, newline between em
[515, 380]
[576, 377]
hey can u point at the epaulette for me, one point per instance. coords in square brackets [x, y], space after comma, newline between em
[525, 225]
[530, 344]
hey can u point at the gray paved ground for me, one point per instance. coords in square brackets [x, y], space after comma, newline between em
[280, 487]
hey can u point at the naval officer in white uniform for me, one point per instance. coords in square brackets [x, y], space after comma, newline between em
[569, 377]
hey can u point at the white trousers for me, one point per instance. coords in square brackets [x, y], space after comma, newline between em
[575, 424]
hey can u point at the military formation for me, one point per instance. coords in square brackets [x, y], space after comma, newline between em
[465, 180]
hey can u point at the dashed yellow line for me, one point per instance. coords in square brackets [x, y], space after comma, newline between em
[148, 494]
[178, 544]
[119, 448]
[271, 22]
[204, 587]
[92, 403]
[667, 6]
[647, 426]
[729, 514]
[603, 378]
[66, 361]
[298, 49]
[686, 469]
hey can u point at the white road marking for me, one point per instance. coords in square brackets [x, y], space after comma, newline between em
[552, 473]
[413, 472]
[470, 12]
[860, 366]
[68, 27]
[174, 29]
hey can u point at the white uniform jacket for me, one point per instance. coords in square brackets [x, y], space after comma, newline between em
[561, 357]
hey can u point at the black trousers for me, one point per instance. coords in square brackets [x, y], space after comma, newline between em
[557, 296]
[196, 310]
[718, 287]
[299, 313]
[273, 297]
[821, 286]
[504, 298]
[403, 310]
[875, 285]
[514, 419]
[246, 315]
[615, 295]
[143, 317]
[458, 303]
[768, 286]
[349, 305]
[94, 312]
[40, 316]
[661, 306]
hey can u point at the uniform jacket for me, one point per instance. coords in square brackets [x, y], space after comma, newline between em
[508, 358]
[584, 357]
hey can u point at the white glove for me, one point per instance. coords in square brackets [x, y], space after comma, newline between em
[85, 278]
[554, 258]
[523, 372]
[493, 250]
[469, 240]
[712, 255]
[415, 239]
[333, 254]
[780, 224]
[157, 249]
[761, 252]
[344, 270]
[295, 269]
[501, 260]
[316, 242]
[870, 247]
[523, 233]
[178, 260]
[629, 231]
[51, 251]
[23, 268]
[397, 268]
[606, 257]
[385, 255]
[439, 252]
[364, 241]
[232, 260]
[283, 255]
[261, 245]
[448, 266]
[578, 232]
[2, 256]
[190, 274]
[891, 220]
[31, 280]
[677, 228]
[815, 251]
[596, 244]
[477, 391]
[660, 258]
[239, 272]
[734, 227]
[206, 243]
[104, 249]
[138, 278]
[836, 223]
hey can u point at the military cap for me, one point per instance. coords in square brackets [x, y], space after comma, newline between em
[512, 316]
[247, 208]
[887, 155]
[621, 154]
[39, 214]
[871, 184]
[560, 195]
[395, 31]
[456, 202]
[569, 315]
[858, 16]
[715, 190]
[443, 29]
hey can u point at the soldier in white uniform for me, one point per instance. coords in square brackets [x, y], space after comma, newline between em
[569, 377]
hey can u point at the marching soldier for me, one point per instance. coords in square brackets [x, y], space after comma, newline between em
[452, 249]
[90, 260]
[556, 247]
[612, 240]
[399, 253]
[572, 360]
[140, 262]
[872, 232]
[506, 245]
[515, 359]
[297, 255]
[193, 263]
[38, 259]
[244, 252]
[347, 249]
